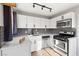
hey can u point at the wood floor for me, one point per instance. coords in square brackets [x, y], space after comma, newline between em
[45, 52]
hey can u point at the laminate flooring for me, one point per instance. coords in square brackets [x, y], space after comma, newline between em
[45, 52]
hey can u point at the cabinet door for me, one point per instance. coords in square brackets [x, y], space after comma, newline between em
[21, 21]
[38, 43]
[30, 22]
[45, 43]
[51, 41]
[43, 23]
[33, 46]
[68, 15]
[72, 46]
[53, 24]
[54, 21]
[73, 16]
[47, 23]
[37, 23]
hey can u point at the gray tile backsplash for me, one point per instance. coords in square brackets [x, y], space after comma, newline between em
[53, 31]
[34, 31]
[47, 31]
[23, 31]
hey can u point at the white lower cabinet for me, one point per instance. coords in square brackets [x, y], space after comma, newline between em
[33, 45]
[36, 46]
[44, 43]
[51, 41]
[36, 43]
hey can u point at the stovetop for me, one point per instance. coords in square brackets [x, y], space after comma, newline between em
[62, 37]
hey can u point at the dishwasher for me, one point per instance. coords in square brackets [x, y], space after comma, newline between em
[45, 41]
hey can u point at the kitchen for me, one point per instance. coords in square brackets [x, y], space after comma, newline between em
[39, 29]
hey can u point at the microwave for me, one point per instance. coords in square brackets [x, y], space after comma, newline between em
[66, 23]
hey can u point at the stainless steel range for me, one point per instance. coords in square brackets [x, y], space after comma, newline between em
[61, 40]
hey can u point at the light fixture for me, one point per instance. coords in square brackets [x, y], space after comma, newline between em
[33, 6]
[42, 6]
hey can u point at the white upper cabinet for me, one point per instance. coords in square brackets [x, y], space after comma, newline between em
[73, 16]
[30, 22]
[37, 22]
[42, 23]
[1, 15]
[69, 15]
[47, 23]
[21, 21]
[53, 21]
[34, 22]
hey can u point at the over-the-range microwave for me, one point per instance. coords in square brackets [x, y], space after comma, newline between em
[66, 23]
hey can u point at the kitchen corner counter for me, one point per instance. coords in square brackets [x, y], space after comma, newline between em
[19, 46]
[16, 41]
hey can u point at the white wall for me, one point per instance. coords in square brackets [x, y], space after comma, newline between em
[1, 15]
[77, 29]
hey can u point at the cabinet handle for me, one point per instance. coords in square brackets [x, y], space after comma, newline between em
[34, 25]
[45, 26]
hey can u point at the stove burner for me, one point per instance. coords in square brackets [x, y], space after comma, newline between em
[62, 37]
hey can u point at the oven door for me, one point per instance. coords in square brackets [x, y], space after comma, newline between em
[61, 45]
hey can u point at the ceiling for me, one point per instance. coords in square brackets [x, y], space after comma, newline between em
[56, 8]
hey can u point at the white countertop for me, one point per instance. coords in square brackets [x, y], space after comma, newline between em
[15, 41]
